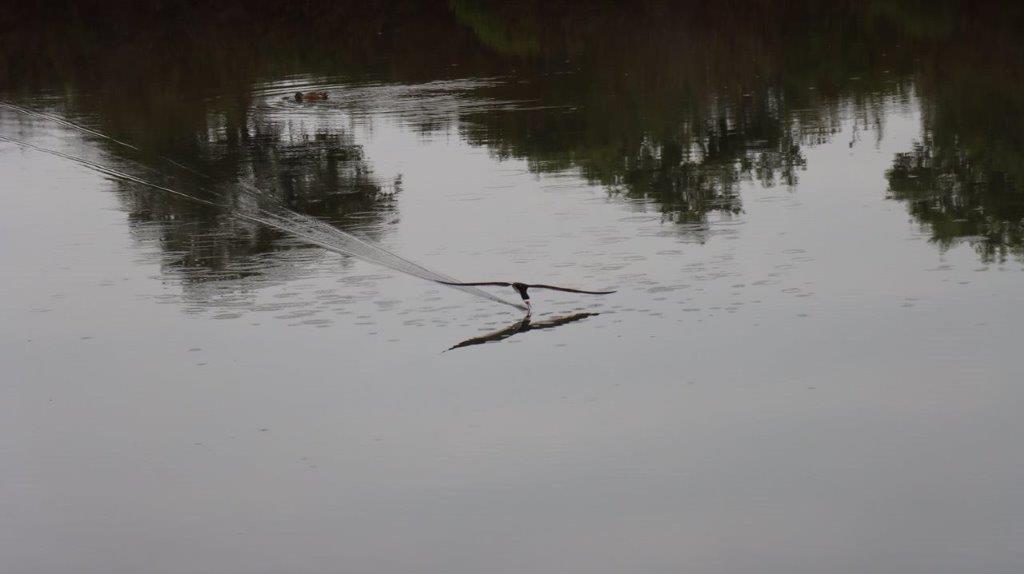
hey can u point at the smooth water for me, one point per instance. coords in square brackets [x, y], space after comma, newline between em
[813, 216]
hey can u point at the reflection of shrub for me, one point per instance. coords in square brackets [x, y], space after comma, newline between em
[958, 199]
[965, 178]
[679, 103]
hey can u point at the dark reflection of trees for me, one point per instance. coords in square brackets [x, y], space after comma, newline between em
[682, 103]
[177, 82]
[960, 198]
[675, 104]
[690, 169]
[964, 179]
[320, 172]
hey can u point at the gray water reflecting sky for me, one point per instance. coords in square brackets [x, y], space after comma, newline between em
[809, 365]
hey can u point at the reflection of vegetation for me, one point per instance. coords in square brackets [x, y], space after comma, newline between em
[178, 82]
[673, 103]
[958, 197]
[681, 103]
[965, 178]
[677, 104]
[319, 171]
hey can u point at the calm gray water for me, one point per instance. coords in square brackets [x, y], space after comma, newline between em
[811, 364]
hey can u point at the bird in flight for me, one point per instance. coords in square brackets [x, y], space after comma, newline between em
[521, 288]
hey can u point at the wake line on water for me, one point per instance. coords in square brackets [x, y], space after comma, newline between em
[277, 216]
[64, 122]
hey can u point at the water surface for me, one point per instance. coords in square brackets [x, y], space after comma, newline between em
[812, 215]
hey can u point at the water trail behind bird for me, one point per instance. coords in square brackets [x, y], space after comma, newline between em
[267, 210]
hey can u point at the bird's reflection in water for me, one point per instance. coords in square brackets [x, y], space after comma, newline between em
[526, 324]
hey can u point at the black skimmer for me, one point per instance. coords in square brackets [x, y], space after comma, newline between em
[521, 288]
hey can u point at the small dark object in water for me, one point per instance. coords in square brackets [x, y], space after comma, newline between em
[310, 96]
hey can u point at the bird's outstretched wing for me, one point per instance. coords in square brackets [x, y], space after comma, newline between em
[481, 284]
[554, 288]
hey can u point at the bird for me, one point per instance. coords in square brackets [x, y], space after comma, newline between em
[521, 288]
